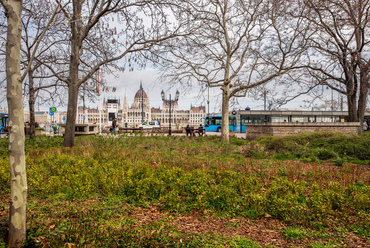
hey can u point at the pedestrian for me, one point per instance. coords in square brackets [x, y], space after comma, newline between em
[364, 126]
[114, 125]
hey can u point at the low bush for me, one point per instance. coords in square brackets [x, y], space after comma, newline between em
[176, 180]
[204, 175]
[319, 146]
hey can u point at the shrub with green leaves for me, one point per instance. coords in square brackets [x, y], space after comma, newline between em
[203, 175]
[319, 146]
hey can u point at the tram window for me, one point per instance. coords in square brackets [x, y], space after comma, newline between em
[214, 121]
[279, 119]
[299, 119]
[232, 121]
[324, 119]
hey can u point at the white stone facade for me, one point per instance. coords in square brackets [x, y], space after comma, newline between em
[140, 110]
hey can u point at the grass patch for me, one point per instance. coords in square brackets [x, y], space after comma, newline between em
[294, 233]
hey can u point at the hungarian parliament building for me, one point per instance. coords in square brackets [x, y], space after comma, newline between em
[139, 111]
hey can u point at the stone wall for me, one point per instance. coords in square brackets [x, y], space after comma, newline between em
[81, 129]
[255, 130]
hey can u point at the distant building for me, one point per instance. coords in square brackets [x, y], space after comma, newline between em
[196, 114]
[45, 119]
[139, 111]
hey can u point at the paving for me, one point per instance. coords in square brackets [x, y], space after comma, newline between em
[238, 135]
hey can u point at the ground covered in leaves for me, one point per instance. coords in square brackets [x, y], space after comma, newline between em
[110, 223]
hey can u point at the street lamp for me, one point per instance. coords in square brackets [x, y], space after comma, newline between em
[264, 98]
[208, 101]
[170, 101]
[142, 106]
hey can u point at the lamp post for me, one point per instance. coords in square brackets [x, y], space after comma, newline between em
[264, 98]
[208, 101]
[170, 102]
[142, 106]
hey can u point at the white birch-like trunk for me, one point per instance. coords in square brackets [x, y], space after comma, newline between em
[17, 162]
[225, 134]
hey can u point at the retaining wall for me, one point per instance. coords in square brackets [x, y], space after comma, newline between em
[255, 130]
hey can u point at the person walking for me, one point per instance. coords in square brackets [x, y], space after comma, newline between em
[114, 125]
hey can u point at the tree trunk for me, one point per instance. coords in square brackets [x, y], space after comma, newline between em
[225, 112]
[31, 103]
[69, 136]
[364, 87]
[352, 102]
[17, 162]
[73, 85]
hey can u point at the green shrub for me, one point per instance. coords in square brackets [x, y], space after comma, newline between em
[4, 174]
[322, 146]
[185, 175]
[294, 233]
[324, 153]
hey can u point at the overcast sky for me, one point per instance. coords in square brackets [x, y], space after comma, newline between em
[130, 82]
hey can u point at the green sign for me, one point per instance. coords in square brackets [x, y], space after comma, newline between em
[53, 109]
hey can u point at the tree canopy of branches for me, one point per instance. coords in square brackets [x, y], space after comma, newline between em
[339, 52]
[102, 32]
[38, 39]
[235, 45]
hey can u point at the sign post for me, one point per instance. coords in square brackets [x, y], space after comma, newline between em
[51, 113]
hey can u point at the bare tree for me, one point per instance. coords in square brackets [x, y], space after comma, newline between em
[18, 175]
[102, 32]
[235, 45]
[38, 39]
[17, 163]
[339, 54]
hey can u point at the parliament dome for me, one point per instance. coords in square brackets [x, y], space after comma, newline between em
[141, 93]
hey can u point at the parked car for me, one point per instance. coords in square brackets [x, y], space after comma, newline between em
[150, 124]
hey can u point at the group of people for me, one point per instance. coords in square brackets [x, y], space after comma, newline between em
[188, 129]
[27, 124]
[192, 131]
